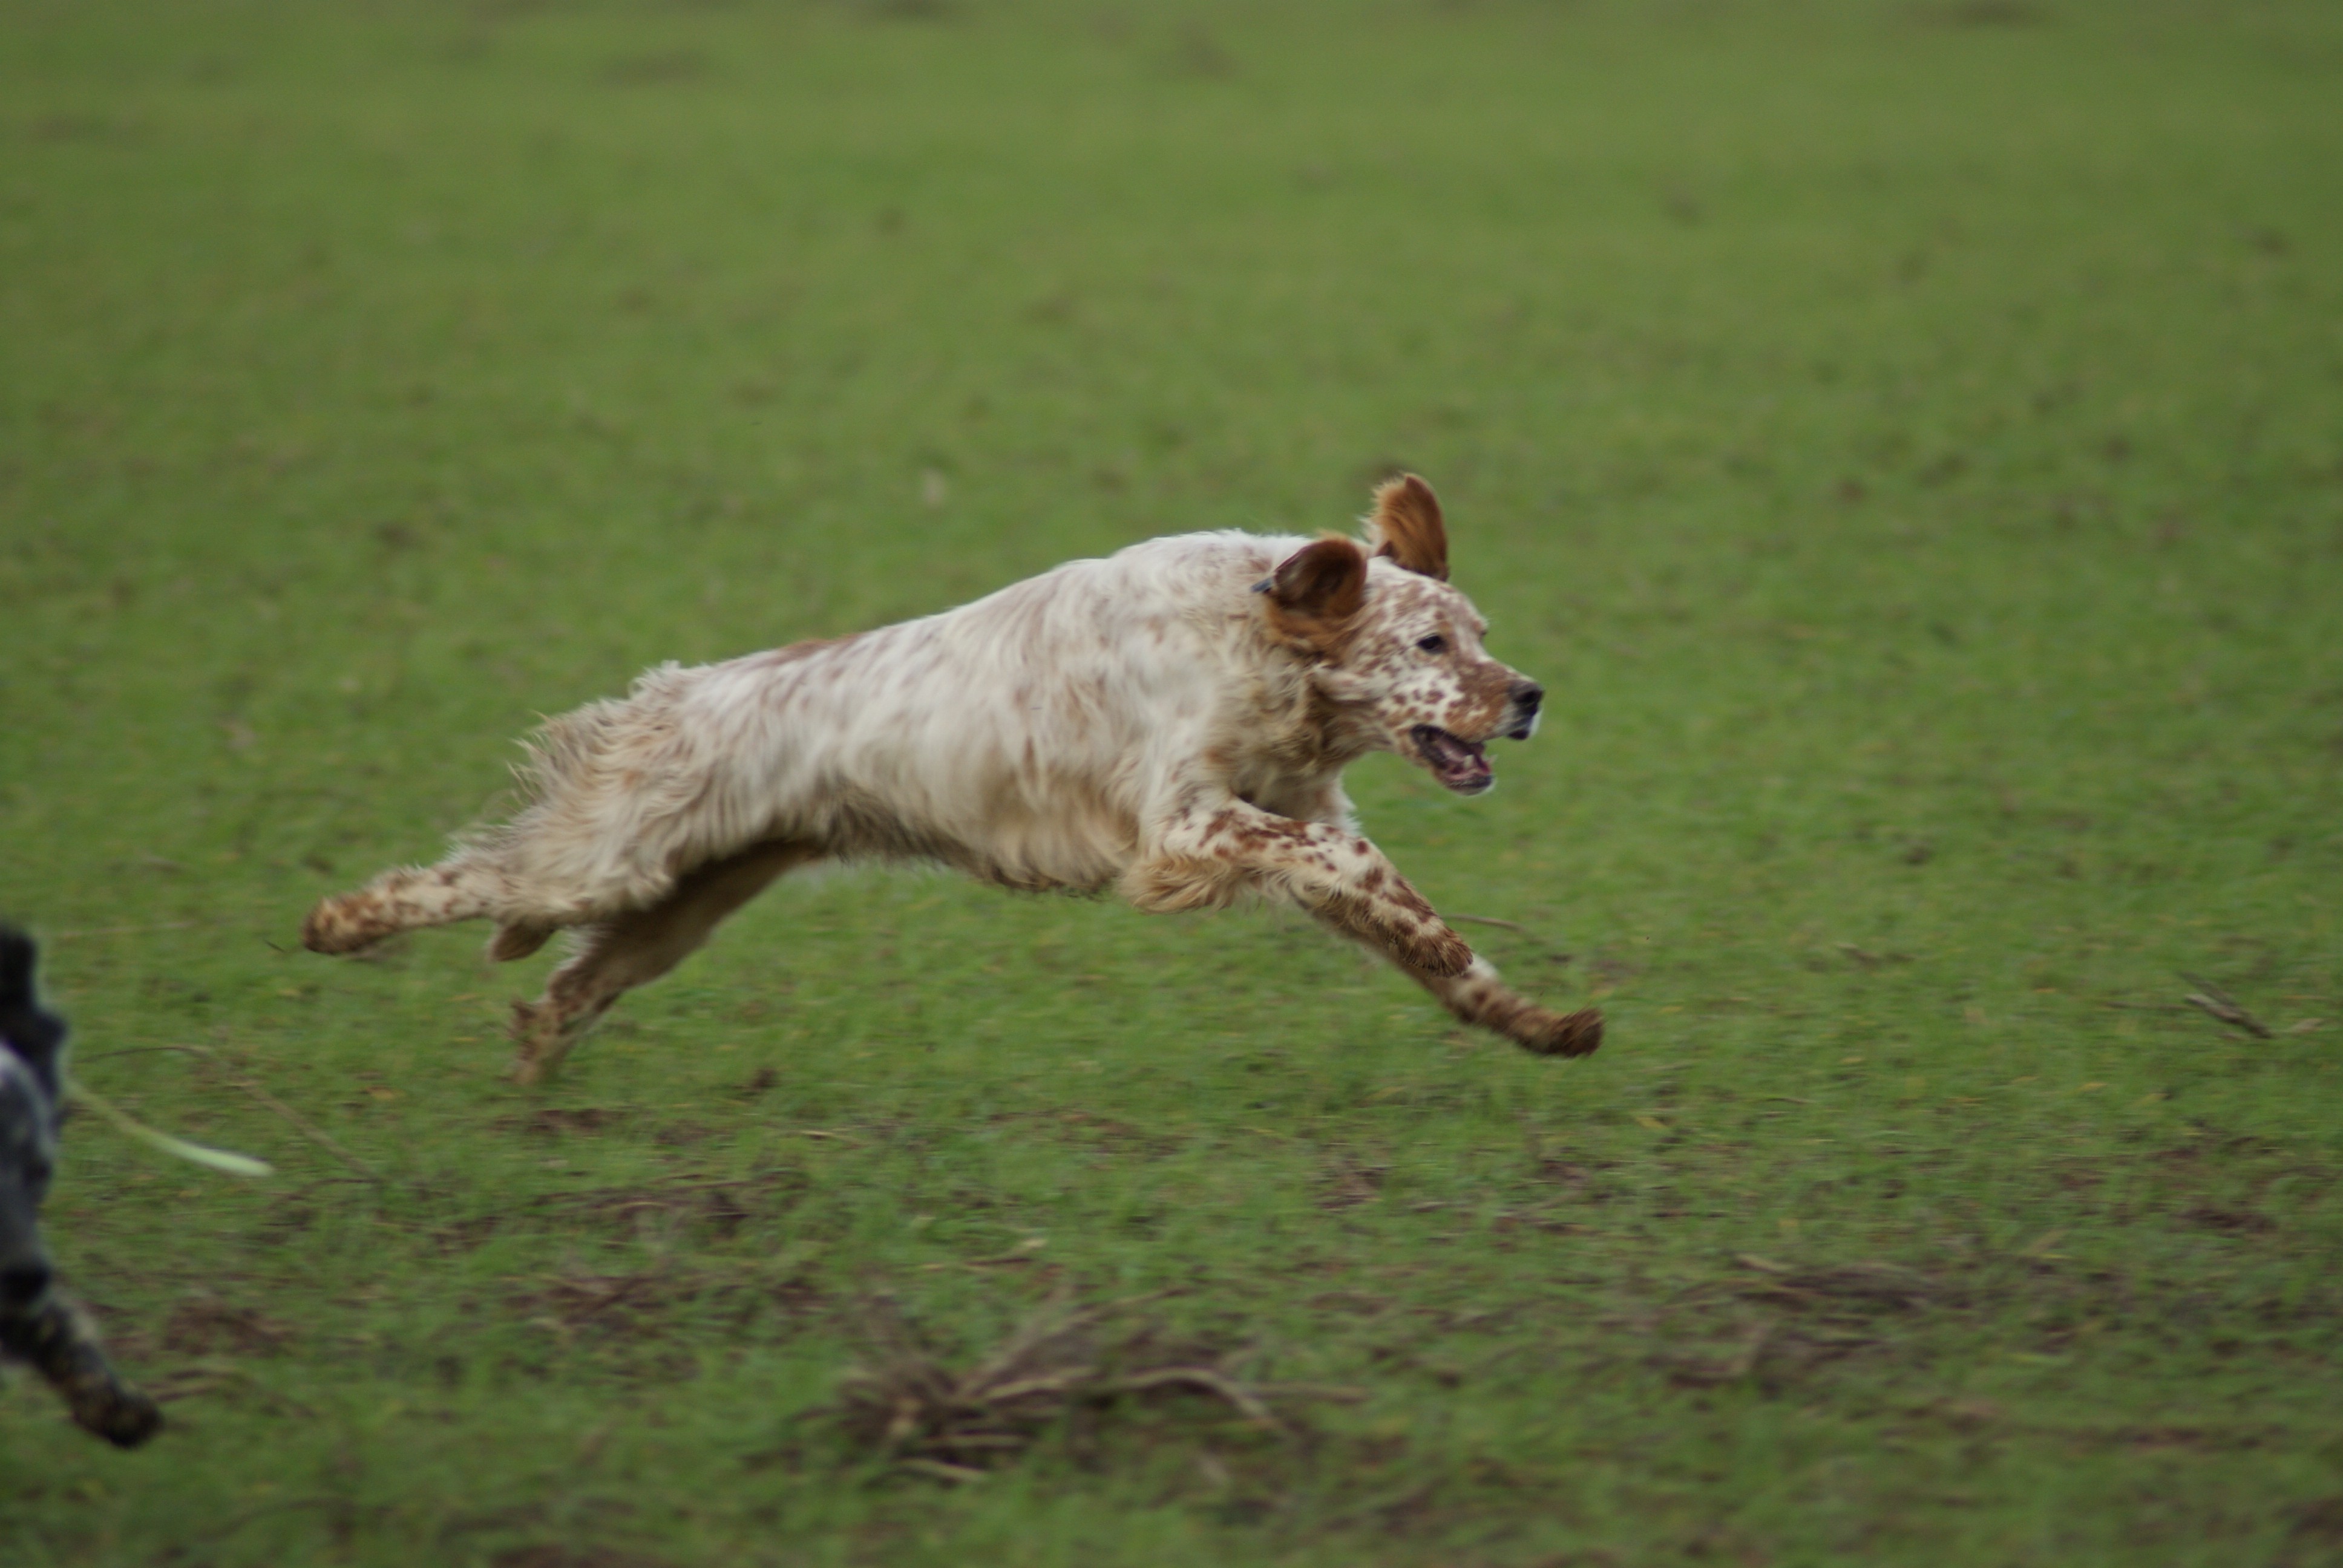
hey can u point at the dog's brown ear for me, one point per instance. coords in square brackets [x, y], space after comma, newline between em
[1406, 526]
[1318, 588]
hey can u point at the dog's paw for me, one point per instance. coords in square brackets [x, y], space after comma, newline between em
[1543, 1033]
[123, 1416]
[536, 1031]
[529, 1025]
[340, 925]
[1434, 949]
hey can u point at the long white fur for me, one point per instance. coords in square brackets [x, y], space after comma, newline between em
[1026, 737]
[1147, 720]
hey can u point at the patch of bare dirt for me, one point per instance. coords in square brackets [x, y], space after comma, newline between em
[719, 1204]
[2317, 1531]
[552, 1556]
[642, 1305]
[1348, 1183]
[555, 1121]
[203, 1325]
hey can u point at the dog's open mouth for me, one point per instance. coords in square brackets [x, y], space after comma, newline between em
[1456, 762]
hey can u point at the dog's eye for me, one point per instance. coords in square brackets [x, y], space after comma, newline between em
[1435, 643]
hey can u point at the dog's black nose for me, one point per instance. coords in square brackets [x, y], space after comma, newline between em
[22, 1285]
[1522, 709]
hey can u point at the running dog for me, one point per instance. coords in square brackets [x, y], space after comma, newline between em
[36, 1324]
[1171, 721]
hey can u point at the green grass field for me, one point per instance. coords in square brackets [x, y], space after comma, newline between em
[1907, 439]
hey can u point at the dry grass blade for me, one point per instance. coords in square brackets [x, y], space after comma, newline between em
[1209, 1381]
[1051, 1351]
[237, 1079]
[2221, 1005]
[1318, 1393]
[1049, 1384]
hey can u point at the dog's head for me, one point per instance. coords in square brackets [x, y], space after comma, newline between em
[30, 1041]
[1394, 648]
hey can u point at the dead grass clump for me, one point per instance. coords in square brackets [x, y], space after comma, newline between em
[906, 1403]
[204, 1324]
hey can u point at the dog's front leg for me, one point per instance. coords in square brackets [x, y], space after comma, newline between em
[1478, 997]
[1208, 855]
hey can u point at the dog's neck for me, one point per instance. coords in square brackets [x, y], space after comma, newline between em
[1293, 748]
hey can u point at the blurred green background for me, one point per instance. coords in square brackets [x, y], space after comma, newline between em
[1905, 438]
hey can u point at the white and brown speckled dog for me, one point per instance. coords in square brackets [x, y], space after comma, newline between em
[1172, 720]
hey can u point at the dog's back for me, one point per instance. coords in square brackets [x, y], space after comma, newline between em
[1022, 738]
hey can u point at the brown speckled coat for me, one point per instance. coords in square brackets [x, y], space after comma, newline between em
[1171, 722]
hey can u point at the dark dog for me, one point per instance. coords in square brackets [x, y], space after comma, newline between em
[37, 1325]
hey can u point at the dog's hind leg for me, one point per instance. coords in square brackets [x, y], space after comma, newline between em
[464, 887]
[616, 955]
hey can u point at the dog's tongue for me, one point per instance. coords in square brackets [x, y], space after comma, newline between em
[1458, 764]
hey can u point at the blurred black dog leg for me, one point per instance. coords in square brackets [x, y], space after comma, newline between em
[59, 1342]
[36, 1325]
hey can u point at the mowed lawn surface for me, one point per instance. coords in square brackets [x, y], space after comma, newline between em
[1907, 439]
